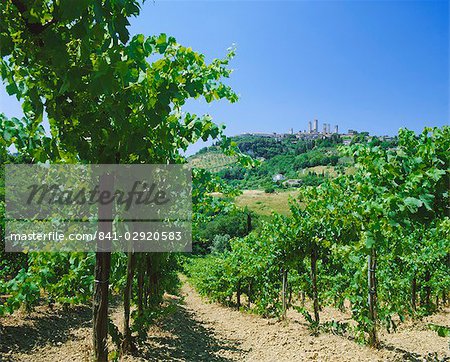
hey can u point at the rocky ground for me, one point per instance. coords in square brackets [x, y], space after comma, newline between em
[200, 331]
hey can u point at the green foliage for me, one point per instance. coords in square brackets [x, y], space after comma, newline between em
[254, 264]
[232, 222]
[396, 204]
[112, 99]
[267, 148]
[291, 166]
[208, 275]
[220, 244]
[109, 98]
[213, 159]
[67, 277]
[442, 331]
[22, 290]
[10, 263]
[288, 156]
[312, 324]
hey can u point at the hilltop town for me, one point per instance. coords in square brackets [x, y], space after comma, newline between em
[314, 132]
[287, 159]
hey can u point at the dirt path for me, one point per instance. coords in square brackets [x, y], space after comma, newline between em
[251, 338]
[201, 331]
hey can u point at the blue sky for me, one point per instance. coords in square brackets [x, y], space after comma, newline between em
[367, 65]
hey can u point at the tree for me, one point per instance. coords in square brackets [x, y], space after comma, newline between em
[402, 187]
[378, 239]
[104, 101]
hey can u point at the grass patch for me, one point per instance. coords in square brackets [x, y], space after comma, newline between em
[263, 203]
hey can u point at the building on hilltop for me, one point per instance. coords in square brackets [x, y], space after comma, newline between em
[292, 183]
[310, 134]
[278, 177]
[313, 128]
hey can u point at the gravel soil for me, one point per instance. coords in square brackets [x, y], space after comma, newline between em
[197, 330]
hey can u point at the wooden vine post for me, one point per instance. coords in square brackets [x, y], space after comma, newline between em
[314, 282]
[102, 271]
[372, 296]
[283, 293]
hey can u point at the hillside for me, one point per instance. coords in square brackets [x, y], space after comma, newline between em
[211, 159]
[264, 203]
[284, 162]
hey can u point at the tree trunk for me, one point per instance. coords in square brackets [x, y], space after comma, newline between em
[238, 294]
[153, 276]
[372, 297]
[127, 344]
[414, 293]
[102, 271]
[140, 291]
[249, 222]
[427, 289]
[283, 293]
[315, 293]
[148, 280]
